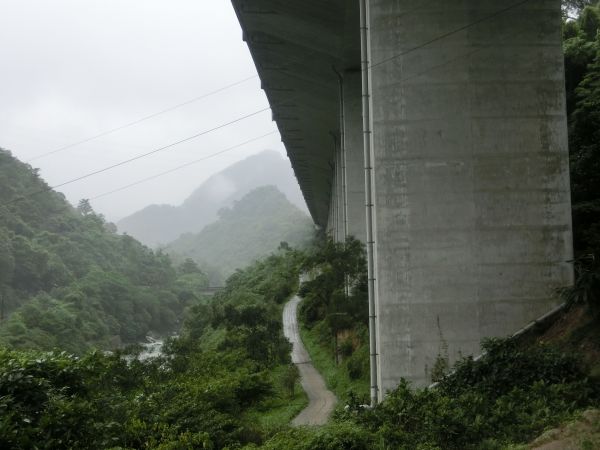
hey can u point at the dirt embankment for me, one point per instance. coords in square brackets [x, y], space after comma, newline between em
[574, 330]
[581, 434]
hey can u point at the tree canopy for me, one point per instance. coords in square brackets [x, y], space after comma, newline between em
[582, 71]
[68, 280]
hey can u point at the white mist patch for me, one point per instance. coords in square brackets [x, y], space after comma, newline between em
[220, 188]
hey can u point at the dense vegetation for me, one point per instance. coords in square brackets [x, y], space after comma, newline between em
[226, 381]
[252, 228]
[582, 69]
[67, 280]
[508, 396]
[334, 315]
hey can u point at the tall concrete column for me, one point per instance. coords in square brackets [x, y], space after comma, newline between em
[331, 213]
[355, 170]
[473, 227]
[335, 195]
[340, 193]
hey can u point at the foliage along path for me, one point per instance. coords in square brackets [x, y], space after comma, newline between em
[321, 401]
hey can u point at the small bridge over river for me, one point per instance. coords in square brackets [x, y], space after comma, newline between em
[210, 290]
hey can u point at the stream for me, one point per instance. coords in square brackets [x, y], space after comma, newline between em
[151, 348]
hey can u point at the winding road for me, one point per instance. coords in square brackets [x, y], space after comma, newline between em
[321, 401]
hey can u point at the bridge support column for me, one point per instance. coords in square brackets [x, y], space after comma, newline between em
[473, 227]
[335, 225]
[332, 218]
[355, 164]
[340, 193]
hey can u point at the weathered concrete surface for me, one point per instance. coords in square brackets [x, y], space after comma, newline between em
[347, 204]
[338, 194]
[321, 401]
[473, 226]
[339, 188]
[331, 228]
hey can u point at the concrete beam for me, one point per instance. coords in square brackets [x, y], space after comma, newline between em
[295, 47]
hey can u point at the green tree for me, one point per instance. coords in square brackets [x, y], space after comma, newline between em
[582, 64]
[188, 266]
[290, 378]
[84, 207]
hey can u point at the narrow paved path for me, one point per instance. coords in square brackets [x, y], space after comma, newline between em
[321, 401]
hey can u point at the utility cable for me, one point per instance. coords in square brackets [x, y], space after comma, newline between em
[142, 119]
[135, 158]
[68, 206]
[212, 155]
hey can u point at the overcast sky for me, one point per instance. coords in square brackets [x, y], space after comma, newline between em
[71, 69]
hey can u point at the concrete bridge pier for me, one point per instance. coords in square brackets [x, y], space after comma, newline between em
[336, 219]
[354, 152]
[332, 217]
[473, 227]
[347, 205]
[340, 191]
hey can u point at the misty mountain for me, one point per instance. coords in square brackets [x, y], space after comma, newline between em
[160, 224]
[252, 228]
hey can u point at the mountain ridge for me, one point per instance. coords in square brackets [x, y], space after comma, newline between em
[157, 225]
[251, 228]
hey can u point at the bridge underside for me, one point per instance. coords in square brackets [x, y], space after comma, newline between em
[472, 225]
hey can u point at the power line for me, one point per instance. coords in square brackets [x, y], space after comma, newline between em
[68, 206]
[143, 155]
[450, 33]
[152, 177]
[135, 158]
[135, 122]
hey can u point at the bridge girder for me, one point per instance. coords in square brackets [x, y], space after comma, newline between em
[297, 47]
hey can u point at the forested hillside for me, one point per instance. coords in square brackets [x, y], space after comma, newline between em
[252, 228]
[225, 382]
[68, 280]
[161, 224]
